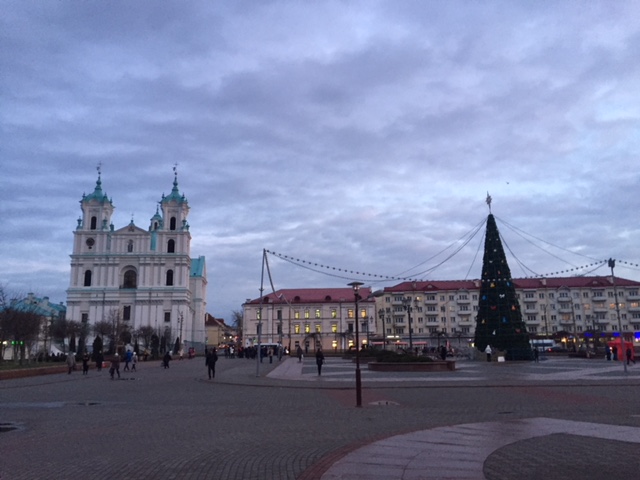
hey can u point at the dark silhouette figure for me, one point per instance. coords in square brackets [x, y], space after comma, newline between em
[166, 359]
[630, 358]
[85, 363]
[210, 362]
[99, 360]
[443, 353]
[319, 360]
[299, 353]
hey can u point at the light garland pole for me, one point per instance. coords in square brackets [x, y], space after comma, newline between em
[612, 264]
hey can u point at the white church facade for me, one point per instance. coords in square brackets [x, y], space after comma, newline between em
[135, 277]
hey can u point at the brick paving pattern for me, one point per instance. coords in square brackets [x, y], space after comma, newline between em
[288, 423]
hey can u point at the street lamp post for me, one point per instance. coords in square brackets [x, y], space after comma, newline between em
[408, 308]
[612, 264]
[356, 287]
[382, 332]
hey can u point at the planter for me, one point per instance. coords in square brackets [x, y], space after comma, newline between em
[448, 365]
[32, 372]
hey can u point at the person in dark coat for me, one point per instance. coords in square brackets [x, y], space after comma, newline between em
[85, 363]
[99, 360]
[319, 360]
[210, 361]
[443, 353]
[115, 366]
[299, 353]
[166, 359]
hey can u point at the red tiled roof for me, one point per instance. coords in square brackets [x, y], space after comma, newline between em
[312, 295]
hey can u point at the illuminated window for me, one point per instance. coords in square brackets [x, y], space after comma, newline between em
[307, 328]
[296, 328]
[334, 328]
[350, 313]
[363, 313]
[296, 314]
[306, 313]
[317, 313]
[318, 329]
[334, 313]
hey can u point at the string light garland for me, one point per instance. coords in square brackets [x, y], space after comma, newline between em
[340, 272]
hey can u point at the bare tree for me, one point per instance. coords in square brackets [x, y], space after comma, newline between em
[145, 333]
[237, 321]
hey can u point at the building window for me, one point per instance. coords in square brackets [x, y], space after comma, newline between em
[334, 328]
[350, 313]
[307, 328]
[318, 328]
[169, 278]
[126, 312]
[171, 246]
[296, 314]
[334, 313]
[317, 313]
[130, 246]
[296, 328]
[94, 223]
[85, 317]
[279, 314]
[167, 317]
[130, 279]
[306, 313]
[87, 278]
[172, 223]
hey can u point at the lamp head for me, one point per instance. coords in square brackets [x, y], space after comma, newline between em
[355, 285]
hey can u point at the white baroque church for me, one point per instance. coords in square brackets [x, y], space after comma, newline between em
[138, 278]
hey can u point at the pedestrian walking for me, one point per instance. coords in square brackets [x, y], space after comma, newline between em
[614, 352]
[536, 355]
[299, 353]
[99, 361]
[127, 360]
[71, 362]
[607, 350]
[630, 358]
[85, 363]
[270, 353]
[166, 359]
[443, 353]
[115, 366]
[210, 362]
[319, 360]
[134, 361]
[488, 351]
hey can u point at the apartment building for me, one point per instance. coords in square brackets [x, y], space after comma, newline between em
[439, 311]
[311, 318]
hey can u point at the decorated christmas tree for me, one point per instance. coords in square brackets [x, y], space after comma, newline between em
[499, 321]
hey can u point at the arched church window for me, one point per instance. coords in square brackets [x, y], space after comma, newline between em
[130, 246]
[171, 246]
[94, 223]
[87, 278]
[172, 223]
[169, 278]
[130, 279]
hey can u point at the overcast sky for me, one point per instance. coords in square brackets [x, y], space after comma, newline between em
[357, 135]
